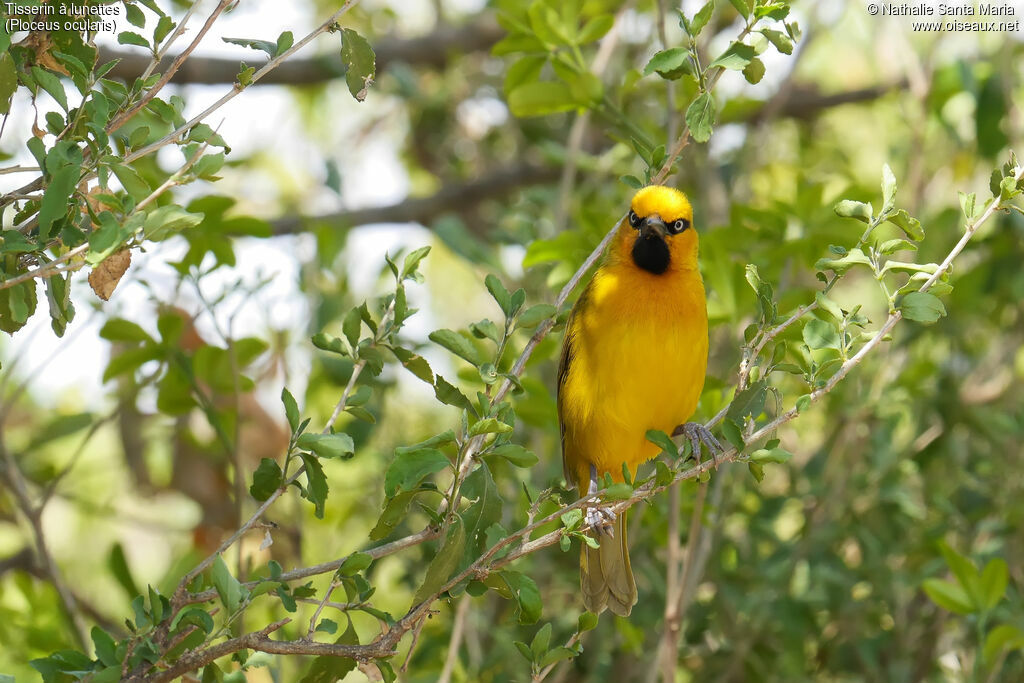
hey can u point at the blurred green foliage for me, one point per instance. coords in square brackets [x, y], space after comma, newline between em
[878, 536]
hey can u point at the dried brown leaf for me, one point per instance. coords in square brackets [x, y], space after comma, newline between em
[105, 276]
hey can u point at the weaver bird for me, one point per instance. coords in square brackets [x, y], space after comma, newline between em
[633, 359]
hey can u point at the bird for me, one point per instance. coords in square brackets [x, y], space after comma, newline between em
[634, 357]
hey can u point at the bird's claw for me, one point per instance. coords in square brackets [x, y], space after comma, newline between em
[601, 520]
[698, 434]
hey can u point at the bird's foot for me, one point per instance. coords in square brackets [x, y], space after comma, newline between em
[597, 517]
[698, 434]
[601, 520]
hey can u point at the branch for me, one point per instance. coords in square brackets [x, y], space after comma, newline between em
[124, 116]
[806, 103]
[461, 614]
[450, 198]
[34, 514]
[433, 49]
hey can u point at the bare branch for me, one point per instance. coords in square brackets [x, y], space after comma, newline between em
[34, 515]
[433, 49]
[124, 116]
[450, 198]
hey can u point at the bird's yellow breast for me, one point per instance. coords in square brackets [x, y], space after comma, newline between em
[639, 346]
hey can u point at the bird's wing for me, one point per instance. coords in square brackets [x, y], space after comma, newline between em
[564, 363]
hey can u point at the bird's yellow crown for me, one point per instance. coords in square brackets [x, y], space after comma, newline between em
[667, 202]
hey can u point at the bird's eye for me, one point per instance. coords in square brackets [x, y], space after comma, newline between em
[678, 226]
[634, 220]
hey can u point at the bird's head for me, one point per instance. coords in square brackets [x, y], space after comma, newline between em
[658, 234]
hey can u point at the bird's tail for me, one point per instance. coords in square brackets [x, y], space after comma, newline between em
[605, 575]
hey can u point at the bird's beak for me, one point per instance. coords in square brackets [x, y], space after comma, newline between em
[653, 225]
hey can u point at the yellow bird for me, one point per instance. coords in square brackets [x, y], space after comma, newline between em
[634, 357]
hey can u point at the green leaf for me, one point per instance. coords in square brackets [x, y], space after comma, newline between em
[844, 263]
[52, 85]
[921, 307]
[780, 40]
[120, 330]
[754, 71]
[450, 395]
[631, 181]
[888, 189]
[701, 18]
[8, 80]
[443, 439]
[742, 7]
[749, 402]
[499, 293]
[328, 668]
[266, 479]
[339, 445]
[457, 344]
[316, 484]
[848, 208]
[766, 455]
[409, 468]
[55, 198]
[228, 588]
[360, 63]
[355, 563]
[671, 64]
[588, 620]
[167, 220]
[994, 579]
[736, 57]
[595, 29]
[663, 440]
[965, 572]
[132, 38]
[818, 334]
[490, 425]
[540, 98]
[328, 626]
[828, 306]
[132, 182]
[415, 364]
[284, 43]
[526, 70]
[894, 245]
[13, 242]
[908, 224]
[514, 584]
[948, 595]
[803, 403]
[534, 315]
[967, 202]
[412, 261]
[1002, 637]
[394, 511]
[291, 409]
[617, 491]
[444, 562]
[516, 454]
[104, 646]
[261, 45]
[540, 642]
[700, 117]
[117, 563]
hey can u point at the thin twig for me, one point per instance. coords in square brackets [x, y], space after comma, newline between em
[126, 115]
[34, 515]
[238, 88]
[458, 627]
[178, 31]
